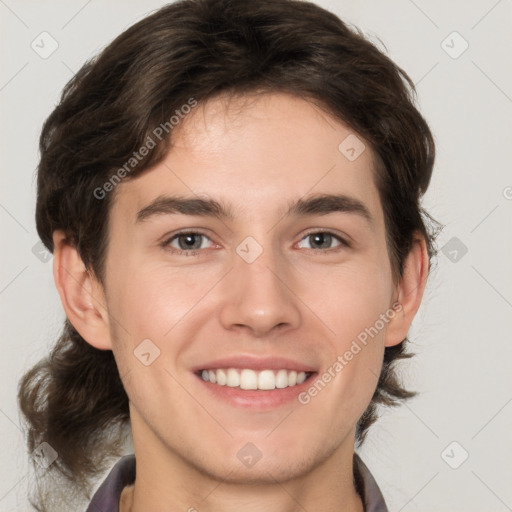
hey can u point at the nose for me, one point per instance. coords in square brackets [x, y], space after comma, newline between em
[259, 296]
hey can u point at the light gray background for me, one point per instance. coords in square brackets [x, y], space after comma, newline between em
[462, 333]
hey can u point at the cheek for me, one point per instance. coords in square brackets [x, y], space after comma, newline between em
[151, 299]
[353, 314]
[349, 299]
[355, 308]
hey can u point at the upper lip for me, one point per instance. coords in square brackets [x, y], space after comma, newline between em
[256, 363]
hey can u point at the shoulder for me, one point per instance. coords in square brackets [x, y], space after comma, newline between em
[367, 487]
[108, 494]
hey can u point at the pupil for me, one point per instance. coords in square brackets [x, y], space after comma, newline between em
[189, 241]
[321, 237]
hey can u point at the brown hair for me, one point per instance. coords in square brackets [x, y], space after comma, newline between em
[199, 49]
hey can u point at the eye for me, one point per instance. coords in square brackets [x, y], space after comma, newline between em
[189, 243]
[323, 240]
[186, 242]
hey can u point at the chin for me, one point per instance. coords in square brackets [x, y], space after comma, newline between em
[262, 463]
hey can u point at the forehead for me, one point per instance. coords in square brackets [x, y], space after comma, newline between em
[260, 153]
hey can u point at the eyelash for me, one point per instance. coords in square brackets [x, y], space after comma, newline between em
[180, 252]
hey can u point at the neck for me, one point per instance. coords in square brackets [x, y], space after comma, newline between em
[273, 498]
[166, 481]
[319, 491]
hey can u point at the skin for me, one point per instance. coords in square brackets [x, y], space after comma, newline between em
[295, 300]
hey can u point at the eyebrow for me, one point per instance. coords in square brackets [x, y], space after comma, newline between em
[320, 204]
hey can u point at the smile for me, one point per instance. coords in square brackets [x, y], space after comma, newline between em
[248, 379]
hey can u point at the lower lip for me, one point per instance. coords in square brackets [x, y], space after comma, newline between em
[257, 398]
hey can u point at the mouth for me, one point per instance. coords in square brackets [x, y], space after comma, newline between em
[249, 379]
[254, 383]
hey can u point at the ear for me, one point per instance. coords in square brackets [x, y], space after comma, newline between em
[82, 296]
[409, 291]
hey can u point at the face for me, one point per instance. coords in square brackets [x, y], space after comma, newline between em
[268, 282]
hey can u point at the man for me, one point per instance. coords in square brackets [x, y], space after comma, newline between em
[231, 194]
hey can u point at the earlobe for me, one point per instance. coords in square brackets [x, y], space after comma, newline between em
[409, 291]
[80, 293]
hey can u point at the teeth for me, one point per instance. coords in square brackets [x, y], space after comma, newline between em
[249, 379]
[282, 380]
[301, 377]
[222, 378]
[266, 380]
[233, 378]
